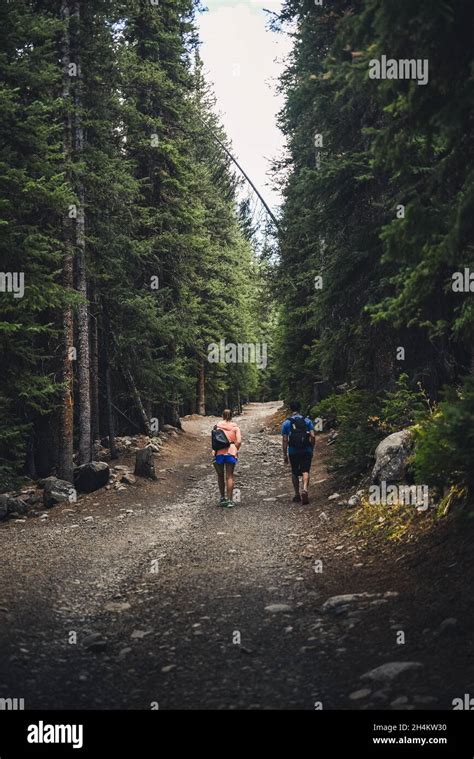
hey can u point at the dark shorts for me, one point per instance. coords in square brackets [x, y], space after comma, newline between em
[300, 462]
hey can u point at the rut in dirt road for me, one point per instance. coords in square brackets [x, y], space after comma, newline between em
[176, 603]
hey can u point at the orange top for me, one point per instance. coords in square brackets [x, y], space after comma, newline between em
[233, 434]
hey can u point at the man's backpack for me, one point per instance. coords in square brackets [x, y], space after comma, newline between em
[219, 439]
[298, 437]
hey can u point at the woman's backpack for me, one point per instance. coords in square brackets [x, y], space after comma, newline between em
[219, 439]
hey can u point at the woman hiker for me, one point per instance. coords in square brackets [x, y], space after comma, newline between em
[225, 458]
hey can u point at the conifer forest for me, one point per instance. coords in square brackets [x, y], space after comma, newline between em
[237, 380]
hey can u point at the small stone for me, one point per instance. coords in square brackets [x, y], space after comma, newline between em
[94, 642]
[117, 606]
[354, 501]
[424, 699]
[357, 695]
[276, 608]
[380, 696]
[448, 625]
[336, 602]
[400, 701]
[391, 670]
[139, 634]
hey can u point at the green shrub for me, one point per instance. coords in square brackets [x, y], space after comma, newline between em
[404, 406]
[358, 436]
[444, 442]
[363, 419]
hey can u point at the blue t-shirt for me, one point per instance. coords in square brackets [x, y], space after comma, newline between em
[286, 429]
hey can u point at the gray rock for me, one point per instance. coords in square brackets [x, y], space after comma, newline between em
[11, 506]
[448, 626]
[128, 479]
[380, 696]
[94, 642]
[34, 499]
[359, 694]
[424, 700]
[336, 602]
[42, 483]
[92, 476]
[276, 608]
[145, 464]
[169, 428]
[57, 491]
[391, 458]
[354, 501]
[400, 701]
[4, 510]
[391, 670]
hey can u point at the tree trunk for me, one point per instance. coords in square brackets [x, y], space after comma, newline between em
[175, 420]
[66, 421]
[134, 390]
[108, 393]
[83, 353]
[30, 464]
[95, 403]
[202, 389]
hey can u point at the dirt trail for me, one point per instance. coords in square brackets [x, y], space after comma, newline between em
[177, 602]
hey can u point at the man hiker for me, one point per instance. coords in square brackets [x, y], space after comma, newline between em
[298, 444]
[226, 441]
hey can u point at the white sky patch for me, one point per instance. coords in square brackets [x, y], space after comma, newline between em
[243, 61]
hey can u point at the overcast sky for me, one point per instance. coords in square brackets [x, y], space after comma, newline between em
[243, 60]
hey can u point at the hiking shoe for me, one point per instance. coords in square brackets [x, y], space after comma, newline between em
[229, 504]
[304, 497]
[223, 501]
[297, 499]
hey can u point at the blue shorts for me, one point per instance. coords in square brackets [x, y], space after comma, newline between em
[225, 458]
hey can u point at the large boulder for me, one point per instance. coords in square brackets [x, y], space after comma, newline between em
[392, 458]
[4, 506]
[169, 428]
[10, 505]
[57, 491]
[92, 476]
[145, 464]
